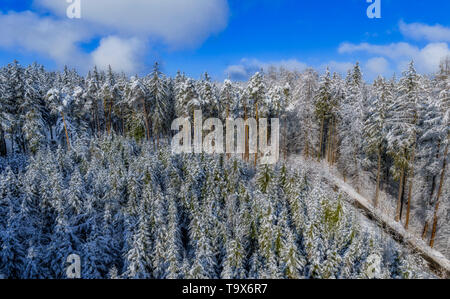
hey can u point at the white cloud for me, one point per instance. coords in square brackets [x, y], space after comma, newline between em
[431, 56]
[393, 51]
[427, 59]
[419, 31]
[377, 66]
[178, 23]
[247, 67]
[124, 28]
[122, 54]
[47, 36]
[336, 66]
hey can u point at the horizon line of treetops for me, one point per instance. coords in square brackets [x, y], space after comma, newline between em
[397, 129]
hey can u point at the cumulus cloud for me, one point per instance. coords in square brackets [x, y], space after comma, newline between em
[121, 54]
[419, 31]
[247, 67]
[337, 66]
[53, 38]
[124, 28]
[427, 58]
[178, 23]
[377, 66]
[393, 51]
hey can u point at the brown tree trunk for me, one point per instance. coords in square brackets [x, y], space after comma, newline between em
[257, 125]
[400, 192]
[377, 192]
[228, 115]
[285, 137]
[355, 158]
[65, 129]
[3, 149]
[425, 230]
[246, 154]
[146, 121]
[411, 178]
[433, 187]
[335, 138]
[109, 119]
[436, 210]
[319, 153]
[331, 141]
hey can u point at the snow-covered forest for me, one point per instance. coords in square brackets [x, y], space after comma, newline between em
[86, 168]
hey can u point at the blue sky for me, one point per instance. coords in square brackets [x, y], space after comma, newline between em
[230, 38]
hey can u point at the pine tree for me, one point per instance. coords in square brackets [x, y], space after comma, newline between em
[158, 92]
[352, 125]
[375, 126]
[256, 90]
[402, 136]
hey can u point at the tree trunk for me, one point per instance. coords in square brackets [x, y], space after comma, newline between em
[109, 119]
[425, 230]
[257, 124]
[433, 187]
[335, 143]
[377, 192]
[327, 143]
[228, 115]
[97, 118]
[319, 153]
[146, 121]
[331, 141]
[3, 149]
[307, 149]
[436, 210]
[123, 122]
[411, 176]
[65, 129]
[400, 193]
[285, 137]
[51, 132]
[246, 154]
[355, 158]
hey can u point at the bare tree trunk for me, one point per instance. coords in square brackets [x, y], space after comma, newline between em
[377, 192]
[433, 187]
[438, 200]
[335, 141]
[123, 122]
[109, 119]
[319, 154]
[97, 118]
[146, 121]
[411, 176]
[65, 129]
[228, 115]
[3, 149]
[246, 154]
[355, 158]
[330, 141]
[425, 230]
[285, 137]
[400, 192]
[257, 124]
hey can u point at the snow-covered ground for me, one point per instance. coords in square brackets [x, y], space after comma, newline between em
[380, 217]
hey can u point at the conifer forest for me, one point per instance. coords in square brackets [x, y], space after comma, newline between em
[86, 168]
